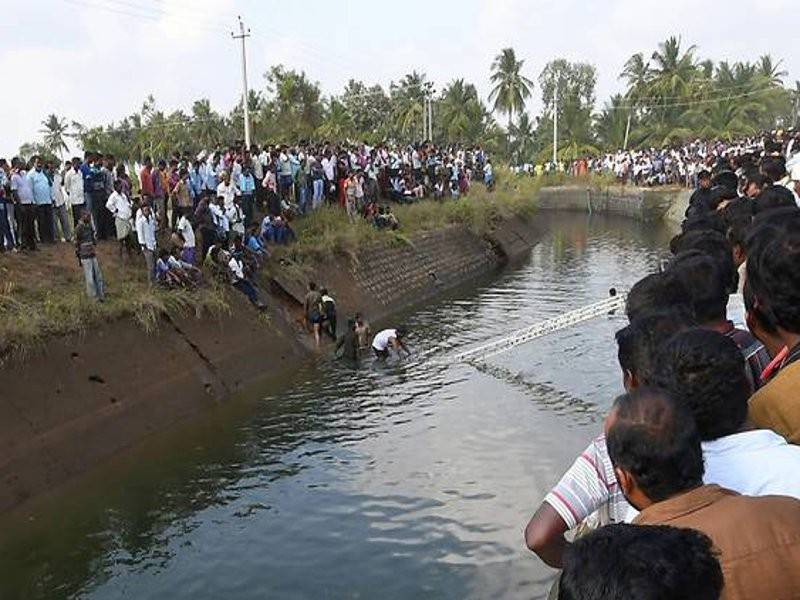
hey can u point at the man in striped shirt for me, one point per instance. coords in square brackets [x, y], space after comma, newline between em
[588, 492]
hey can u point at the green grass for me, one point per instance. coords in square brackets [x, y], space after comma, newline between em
[54, 302]
[328, 232]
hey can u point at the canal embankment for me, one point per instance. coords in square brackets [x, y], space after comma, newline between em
[85, 395]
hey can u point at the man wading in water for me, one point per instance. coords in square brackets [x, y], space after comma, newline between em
[390, 338]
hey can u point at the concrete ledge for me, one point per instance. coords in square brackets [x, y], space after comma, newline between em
[645, 204]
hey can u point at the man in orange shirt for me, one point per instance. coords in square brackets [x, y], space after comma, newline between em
[655, 448]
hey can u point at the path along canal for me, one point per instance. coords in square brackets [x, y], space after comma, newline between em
[405, 481]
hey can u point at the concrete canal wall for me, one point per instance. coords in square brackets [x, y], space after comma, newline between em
[647, 204]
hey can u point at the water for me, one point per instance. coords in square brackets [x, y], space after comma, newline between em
[403, 481]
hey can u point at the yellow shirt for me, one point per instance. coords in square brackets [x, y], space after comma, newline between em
[776, 406]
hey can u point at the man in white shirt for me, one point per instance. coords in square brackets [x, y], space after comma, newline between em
[704, 370]
[186, 230]
[146, 234]
[73, 188]
[121, 208]
[60, 206]
[389, 338]
[227, 190]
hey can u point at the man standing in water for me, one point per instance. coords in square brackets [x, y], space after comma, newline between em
[347, 345]
[390, 338]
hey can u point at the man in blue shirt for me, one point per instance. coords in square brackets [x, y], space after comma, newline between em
[43, 201]
[247, 185]
[196, 183]
[22, 193]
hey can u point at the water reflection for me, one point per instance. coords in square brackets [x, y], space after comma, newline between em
[392, 481]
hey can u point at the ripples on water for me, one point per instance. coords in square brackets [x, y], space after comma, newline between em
[394, 481]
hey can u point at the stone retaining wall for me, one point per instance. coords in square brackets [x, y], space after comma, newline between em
[647, 204]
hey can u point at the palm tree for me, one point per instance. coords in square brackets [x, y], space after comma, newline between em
[613, 123]
[206, 124]
[461, 114]
[54, 129]
[523, 139]
[638, 74]
[674, 70]
[770, 69]
[338, 123]
[511, 88]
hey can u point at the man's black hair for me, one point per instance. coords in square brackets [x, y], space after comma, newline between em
[312, 286]
[641, 562]
[655, 439]
[705, 371]
[772, 197]
[711, 243]
[726, 179]
[773, 273]
[700, 221]
[755, 312]
[655, 292]
[774, 167]
[639, 342]
[758, 179]
[707, 283]
[737, 210]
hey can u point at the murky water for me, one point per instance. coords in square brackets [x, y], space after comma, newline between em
[404, 481]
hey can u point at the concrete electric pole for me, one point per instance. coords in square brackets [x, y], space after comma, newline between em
[243, 35]
[555, 127]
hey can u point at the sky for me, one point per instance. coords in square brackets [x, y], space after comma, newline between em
[94, 61]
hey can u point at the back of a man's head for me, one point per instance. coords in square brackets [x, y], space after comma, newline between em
[639, 342]
[654, 438]
[641, 562]
[656, 292]
[772, 197]
[705, 371]
[707, 283]
[773, 256]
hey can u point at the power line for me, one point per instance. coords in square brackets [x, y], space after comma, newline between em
[689, 102]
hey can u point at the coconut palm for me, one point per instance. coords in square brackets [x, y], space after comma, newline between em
[673, 69]
[337, 123]
[523, 139]
[612, 124]
[771, 70]
[511, 88]
[54, 130]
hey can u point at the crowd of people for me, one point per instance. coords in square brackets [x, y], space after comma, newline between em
[677, 164]
[217, 213]
[692, 488]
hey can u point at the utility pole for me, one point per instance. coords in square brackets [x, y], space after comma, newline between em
[243, 35]
[627, 129]
[555, 126]
[430, 119]
[424, 118]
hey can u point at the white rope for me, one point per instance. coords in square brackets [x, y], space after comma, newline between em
[521, 336]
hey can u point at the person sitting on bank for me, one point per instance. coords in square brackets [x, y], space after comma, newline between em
[656, 451]
[641, 562]
[188, 274]
[242, 283]
[390, 338]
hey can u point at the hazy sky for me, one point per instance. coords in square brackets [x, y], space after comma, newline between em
[84, 62]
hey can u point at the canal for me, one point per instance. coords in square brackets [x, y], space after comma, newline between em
[409, 480]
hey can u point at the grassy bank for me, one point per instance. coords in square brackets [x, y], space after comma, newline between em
[328, 231]
[42, 293]
[42, 296]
